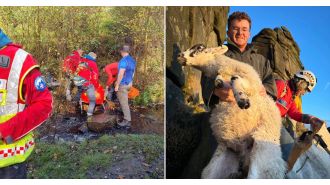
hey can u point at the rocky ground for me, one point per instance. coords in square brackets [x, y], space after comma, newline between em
[113, 152]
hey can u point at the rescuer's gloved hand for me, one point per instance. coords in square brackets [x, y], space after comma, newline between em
[315, 122]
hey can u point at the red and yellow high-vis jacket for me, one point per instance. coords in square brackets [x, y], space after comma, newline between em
[25, 103]
[285, 102]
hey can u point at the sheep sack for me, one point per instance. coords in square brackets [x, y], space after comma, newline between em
[248, 130]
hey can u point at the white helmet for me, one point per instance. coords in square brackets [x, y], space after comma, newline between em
[309, 77]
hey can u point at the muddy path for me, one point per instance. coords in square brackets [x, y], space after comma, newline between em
[63, 126]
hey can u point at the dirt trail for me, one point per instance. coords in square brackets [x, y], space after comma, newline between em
[63, 127]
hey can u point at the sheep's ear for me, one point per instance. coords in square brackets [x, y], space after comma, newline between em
[221, 49]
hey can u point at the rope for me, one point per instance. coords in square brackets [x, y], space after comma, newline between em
[302, 166]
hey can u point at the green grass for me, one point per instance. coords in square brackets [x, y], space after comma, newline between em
[91, 159]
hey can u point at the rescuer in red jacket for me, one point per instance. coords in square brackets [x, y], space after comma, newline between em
[70, 64]
[25, 103]
[112, 71]
[302, 82]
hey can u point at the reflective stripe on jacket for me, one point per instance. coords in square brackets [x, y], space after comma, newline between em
[12, 103]
[285, 101]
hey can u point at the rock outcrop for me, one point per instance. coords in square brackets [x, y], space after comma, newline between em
[280, 48]
[187, 26]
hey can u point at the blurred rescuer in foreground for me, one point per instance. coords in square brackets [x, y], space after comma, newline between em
[25, 103]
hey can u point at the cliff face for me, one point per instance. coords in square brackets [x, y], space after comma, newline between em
[185, 27]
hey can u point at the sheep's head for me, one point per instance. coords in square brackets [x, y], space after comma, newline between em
[190, 53]
[199, 51]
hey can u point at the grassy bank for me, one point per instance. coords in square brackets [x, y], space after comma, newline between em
[100, 158]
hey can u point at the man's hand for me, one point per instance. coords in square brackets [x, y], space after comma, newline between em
[315, 122]
[263, 91]
[225, 94]
[111, 105]
[116, 87]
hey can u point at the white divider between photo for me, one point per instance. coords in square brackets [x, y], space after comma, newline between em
[163, 3]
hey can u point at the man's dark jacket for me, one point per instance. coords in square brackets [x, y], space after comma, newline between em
[257, 61]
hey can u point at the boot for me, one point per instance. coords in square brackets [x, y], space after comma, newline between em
[83, 128]
[89, 119]
[124, 123]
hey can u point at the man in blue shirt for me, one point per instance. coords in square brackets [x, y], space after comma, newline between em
[126, 69]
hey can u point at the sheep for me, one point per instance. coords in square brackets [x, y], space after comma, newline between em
[248, 131]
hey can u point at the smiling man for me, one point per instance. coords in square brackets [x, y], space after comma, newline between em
[239, 26]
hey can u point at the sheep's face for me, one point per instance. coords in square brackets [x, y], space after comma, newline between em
[199, 52]
[191, 53]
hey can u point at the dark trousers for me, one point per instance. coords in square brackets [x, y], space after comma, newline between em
[79, 92]
[287, 138]
[16, 171]
[111, 93]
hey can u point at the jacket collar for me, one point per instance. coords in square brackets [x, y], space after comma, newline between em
[233, 47]
[90, 58]
[292, 86]
[4, 39]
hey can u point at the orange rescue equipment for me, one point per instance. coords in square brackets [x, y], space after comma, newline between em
[133, 93]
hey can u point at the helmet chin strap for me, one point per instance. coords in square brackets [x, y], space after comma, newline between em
[293, 84]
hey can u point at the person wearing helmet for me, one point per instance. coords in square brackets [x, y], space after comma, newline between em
[302, 82]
